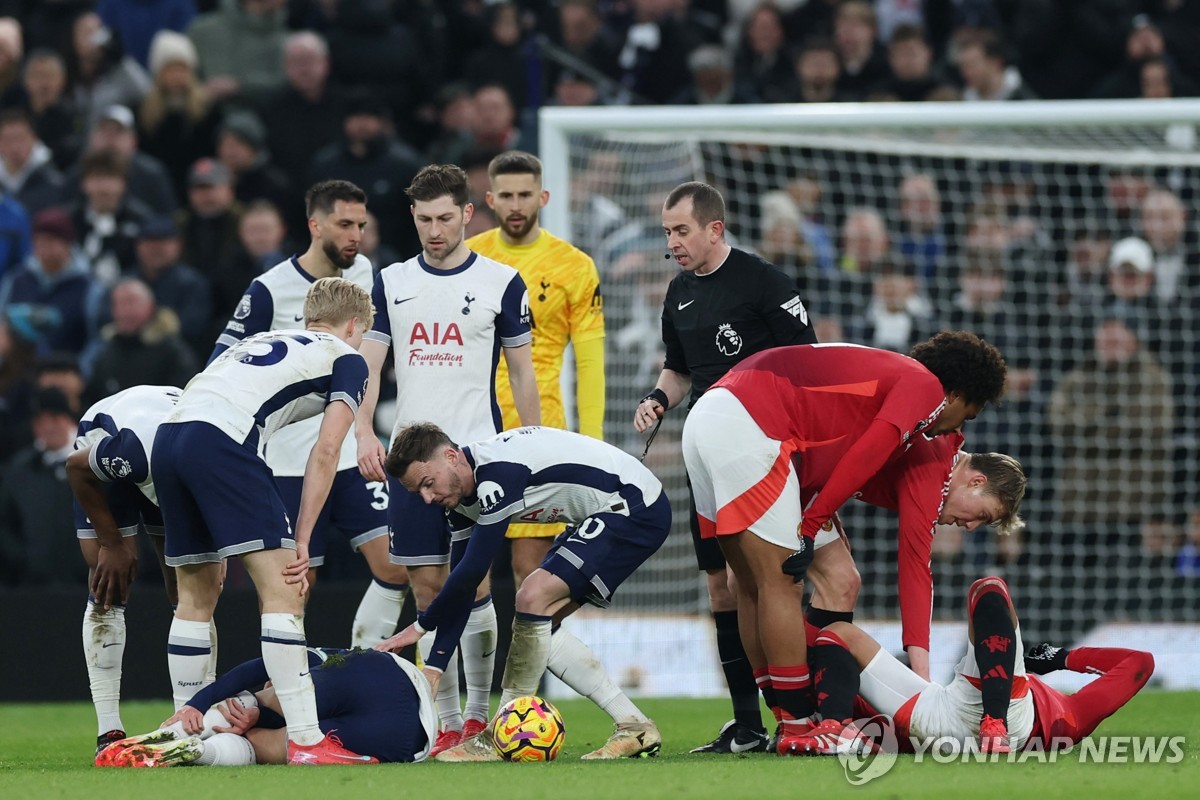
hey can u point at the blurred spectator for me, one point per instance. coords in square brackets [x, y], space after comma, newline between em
[986, 72]
[306, 113]
[1187, 562]
[1110, 421]
[495, 124]
[475, 164]
[261, 245]
[101, 74]
[370, 155]
[140, 346]
[762, 61]
[373, 248]
[61, 371]
[27, 170]
[136, 21]
[209, 225]
[653, 57]
[922, 240]
[18, 348]
[575, 90]
[1158, 81]
[53, 116]
[15, 233]
[713, 80]
[176, 286]
[913, 77]
[106, 217]
[584, 36]
[782, 242]
[456, 110]
[178, 119]
[897, 317]
[865, 242]
[37, 517]
[12, 51]
[242, 148]
[504, 56]
[806, 192]
[1164, 224]
[818, 72]
[1066, 48]
[1144, 43]
[146, 178]
[810, 18]
[1124, 190]
[370, 50]
[864, 64]
[1086, 273]
[56, 285]
[240, 47]
[595, 212]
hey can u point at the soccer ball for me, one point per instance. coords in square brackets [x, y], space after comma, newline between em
[528, 729]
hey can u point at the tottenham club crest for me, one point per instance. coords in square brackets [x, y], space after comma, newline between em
[243, 308]
[729, 341]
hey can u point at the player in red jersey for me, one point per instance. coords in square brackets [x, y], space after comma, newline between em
[789, 435]
[992, 696]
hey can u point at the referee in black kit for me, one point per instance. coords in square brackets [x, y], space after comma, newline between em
[724, 306]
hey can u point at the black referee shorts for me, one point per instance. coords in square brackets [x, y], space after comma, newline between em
[708, 553]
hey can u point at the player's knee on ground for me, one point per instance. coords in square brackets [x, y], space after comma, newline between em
[722, 590]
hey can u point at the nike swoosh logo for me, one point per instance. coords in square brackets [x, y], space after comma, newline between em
[738, 747]
[485, 655]
[682, 306]
[398, 301]
[350, 758]
[109, 644]
[299, 318]
[304, 674]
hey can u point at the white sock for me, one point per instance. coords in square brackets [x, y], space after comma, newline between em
[285, 654]
[103, 649]
[527, 656]
[189, 649]
[478, 645]
[210, 673]
[447, 700]
[226, 750]
[378, 614]
[574, 663]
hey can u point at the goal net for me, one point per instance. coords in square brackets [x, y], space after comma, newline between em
[1064, 233]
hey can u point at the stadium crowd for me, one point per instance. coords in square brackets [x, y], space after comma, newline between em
[154, 157]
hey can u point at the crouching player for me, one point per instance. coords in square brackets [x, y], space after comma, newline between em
[992, 696]
[376, 704]
[109, 474]
[618, 516]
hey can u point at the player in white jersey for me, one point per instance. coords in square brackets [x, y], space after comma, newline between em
[447, 314]
[109, 474]
[618, 516]
[219, 498]
[337, 215]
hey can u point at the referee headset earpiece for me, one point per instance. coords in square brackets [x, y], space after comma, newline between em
[667, 255]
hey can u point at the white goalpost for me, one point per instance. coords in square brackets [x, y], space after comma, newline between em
[1068, 233]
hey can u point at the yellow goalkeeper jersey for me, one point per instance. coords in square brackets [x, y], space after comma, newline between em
[564, 296]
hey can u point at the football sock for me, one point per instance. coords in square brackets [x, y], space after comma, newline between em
[103, 649]
[285, 656]
[213, 717]
[189, 648]
[210, 673]
[378, 613]
[835, 677]
[478, 646]
[792, 685]
[995, 652]
[817, 618]
[574, 663]
[226, 750]
[447, 701]
[743, 691]
[527, 656]
[763, 679]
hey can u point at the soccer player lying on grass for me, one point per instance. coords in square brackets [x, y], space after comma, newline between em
[776, 446]
[992, 696]
[377, 704]
[109, 474]
[618, 515]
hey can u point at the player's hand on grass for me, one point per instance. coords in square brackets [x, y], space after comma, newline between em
[297, 571]
[401, 640]
[115, 570]
[191, 718]
[241, 718]
[370, 457]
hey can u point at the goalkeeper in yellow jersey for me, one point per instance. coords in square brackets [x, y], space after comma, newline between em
[564, 296]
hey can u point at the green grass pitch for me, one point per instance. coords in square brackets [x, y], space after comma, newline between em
[45, 753]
